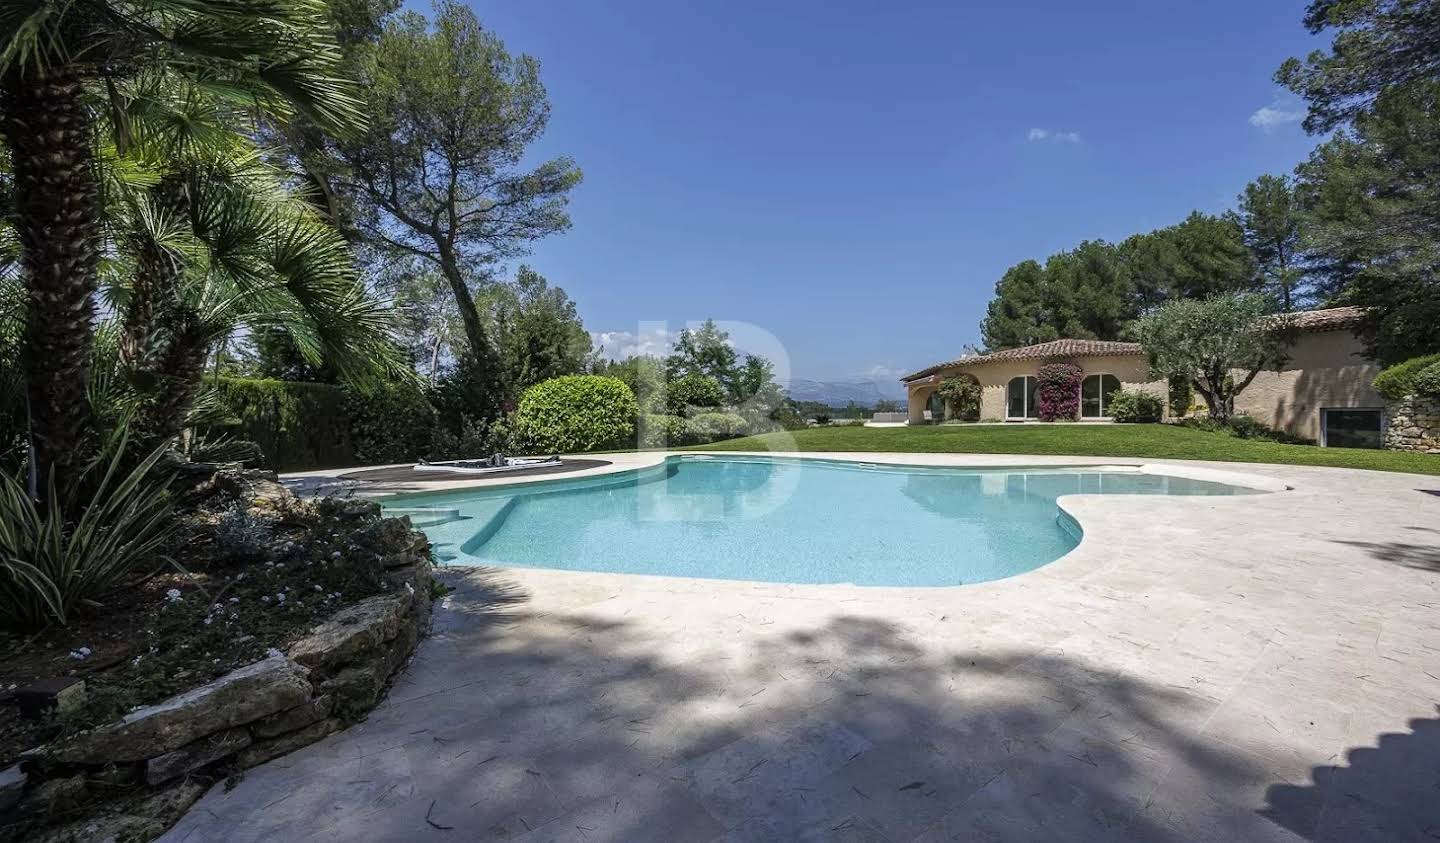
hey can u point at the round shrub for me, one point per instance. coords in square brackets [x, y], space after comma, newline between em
[712, 427]
[1059, 391]
[1135, 407]
[1398, 381]
[576, 413]
[693, 391]
[662, 431]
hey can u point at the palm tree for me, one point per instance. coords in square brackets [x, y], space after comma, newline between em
[212, 240]
[61, 62]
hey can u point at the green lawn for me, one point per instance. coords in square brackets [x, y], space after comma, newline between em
[1156, 441]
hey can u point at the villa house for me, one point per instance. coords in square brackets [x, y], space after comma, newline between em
[1323, 393]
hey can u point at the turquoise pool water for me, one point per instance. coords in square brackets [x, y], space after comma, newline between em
[780, 520]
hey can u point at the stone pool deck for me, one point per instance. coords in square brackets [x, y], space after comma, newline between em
[1254, 668]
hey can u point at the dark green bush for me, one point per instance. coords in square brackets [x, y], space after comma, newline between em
[473, 439]
[691, 391]
[1399, 380]
[1427, 381]
[576, 413]
[1135, 407]
[1245, 427]
[713, 427]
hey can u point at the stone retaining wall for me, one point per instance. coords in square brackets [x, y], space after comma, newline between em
[326, 680]
[1413, 424]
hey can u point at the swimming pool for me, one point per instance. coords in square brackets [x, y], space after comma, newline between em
[780, 520]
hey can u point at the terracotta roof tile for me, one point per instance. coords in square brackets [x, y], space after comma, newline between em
[1327, 319]
[1054, 349]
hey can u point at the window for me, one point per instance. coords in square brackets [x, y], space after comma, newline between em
[1095, 392]
[1352, 428]
[1020, 395]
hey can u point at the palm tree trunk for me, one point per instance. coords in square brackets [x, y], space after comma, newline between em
[49, 129]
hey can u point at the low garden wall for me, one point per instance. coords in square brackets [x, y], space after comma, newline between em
[1413, 424]
[329, 678]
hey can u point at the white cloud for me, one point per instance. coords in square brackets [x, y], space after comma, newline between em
[617, 345]
[880, 371]
[1273, 116]
[1053, 136]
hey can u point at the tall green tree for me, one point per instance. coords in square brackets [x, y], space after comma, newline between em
[439, 176]
[539, 332]
[1088, 292]
[1199, 257]
[1379, 46]
[56, 59]
[705, 351]
[1372, 194]
[1372, 191]
[1018, 315]
[1271, 222]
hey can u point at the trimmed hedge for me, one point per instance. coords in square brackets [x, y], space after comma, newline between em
[298, 426]
[712, 427]
[1405, 379]
[576, 413]
[663, 431]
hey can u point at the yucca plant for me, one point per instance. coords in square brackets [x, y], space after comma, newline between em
[49, 567]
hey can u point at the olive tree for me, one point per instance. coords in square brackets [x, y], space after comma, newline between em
[1220, 343]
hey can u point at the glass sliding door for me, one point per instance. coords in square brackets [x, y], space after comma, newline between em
[1020, 400]
[1095, 392]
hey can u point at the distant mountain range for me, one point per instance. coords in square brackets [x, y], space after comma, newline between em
[841, 393]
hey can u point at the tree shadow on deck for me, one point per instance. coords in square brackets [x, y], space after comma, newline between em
[519, 725]
[1386, 792]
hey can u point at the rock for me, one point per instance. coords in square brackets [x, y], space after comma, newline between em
[169, 804]
[54, 797]
[356, 688]
[352, 632]
[240, 696]
[193, 756]
[296, 718]
[12, 787]
[61, 694]
[357, 510]
[107, 828]
[262, 751]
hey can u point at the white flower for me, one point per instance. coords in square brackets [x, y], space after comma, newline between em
[208, 619]
[335, 555]
[280, 598]
[271, 652]
[264, 598]
[172, 595]
[234, 599]
[318, 588]
[81, 654]
[410, 588]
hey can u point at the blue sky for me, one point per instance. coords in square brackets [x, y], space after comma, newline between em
[853, 177]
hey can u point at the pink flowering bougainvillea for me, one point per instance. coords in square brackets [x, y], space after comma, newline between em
[1058, 391]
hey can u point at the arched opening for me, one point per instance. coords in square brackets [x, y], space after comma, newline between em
[1095, 393]
[1020, 399]
[935, 406]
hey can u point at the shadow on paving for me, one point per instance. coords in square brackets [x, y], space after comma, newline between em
[1386, 792]
[1424, 557]
[517, 725]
